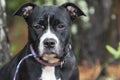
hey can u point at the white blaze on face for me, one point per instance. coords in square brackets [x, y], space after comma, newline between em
[48, 35]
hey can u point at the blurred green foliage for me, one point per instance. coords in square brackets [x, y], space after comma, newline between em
[113, 51]
[13, 47]
[13, 4]
[74, 29]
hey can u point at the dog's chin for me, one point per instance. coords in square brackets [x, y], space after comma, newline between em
[50, 58]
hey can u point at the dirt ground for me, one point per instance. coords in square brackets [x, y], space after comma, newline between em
[90, 73]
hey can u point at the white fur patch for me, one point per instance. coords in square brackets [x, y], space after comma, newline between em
[48, 73]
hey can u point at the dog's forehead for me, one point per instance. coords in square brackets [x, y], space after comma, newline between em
[49, 10]
[45, 11]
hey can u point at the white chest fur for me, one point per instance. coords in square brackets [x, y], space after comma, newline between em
[48, 73]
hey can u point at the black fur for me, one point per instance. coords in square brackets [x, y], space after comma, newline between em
[30, 69]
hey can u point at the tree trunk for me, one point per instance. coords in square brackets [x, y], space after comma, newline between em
[117, 12]
[100, 16]
[4, 42]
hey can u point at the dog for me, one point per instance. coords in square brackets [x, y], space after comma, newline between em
[47, 54]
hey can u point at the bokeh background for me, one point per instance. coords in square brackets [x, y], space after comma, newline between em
[94, 37]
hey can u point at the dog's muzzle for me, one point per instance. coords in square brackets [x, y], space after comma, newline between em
[49, 46]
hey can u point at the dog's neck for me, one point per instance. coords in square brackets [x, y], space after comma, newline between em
[48, 69]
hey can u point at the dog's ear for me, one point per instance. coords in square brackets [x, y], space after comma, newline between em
[73, 10]
[25, 10]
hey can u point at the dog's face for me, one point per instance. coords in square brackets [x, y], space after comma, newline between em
[49, 27]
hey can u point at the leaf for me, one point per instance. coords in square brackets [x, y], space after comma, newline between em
[111, 49]
[114, 52]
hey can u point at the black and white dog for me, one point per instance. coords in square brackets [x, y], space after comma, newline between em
[47, 55]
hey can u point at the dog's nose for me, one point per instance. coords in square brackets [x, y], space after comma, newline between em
[49, 43]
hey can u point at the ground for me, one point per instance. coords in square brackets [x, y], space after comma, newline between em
[90, 73]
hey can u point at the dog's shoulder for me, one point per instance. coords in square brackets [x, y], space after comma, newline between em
[9, 68]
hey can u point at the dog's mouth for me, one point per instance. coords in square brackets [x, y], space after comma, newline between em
[50, 55]
[47, 59]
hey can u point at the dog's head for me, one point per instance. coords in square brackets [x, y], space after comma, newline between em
[49, 27]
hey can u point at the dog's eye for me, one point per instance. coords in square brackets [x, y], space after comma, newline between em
[60, 27]
[38, 26]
